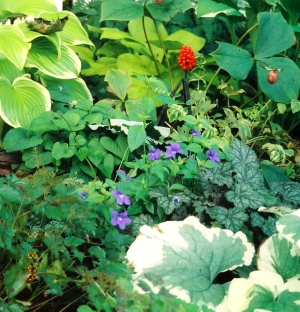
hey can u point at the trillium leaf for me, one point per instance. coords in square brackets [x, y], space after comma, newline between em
[188, 257]
[121, 10]
[235, 60]
[118, 82]
[288, 226]
[136, 137]
[22, 101]
[210, 8]
[280, 256]
[13, 46]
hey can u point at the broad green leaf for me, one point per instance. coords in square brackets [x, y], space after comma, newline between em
[8, 70]
[188, 257]
[19, 139]
[70, 121]
[118, 82]
[62, 151]
[136, 137]
[273, 173]
[140, 64]
[85, 308]
[100, 66]
[22, 101]
[107, 165]
[286, 88]
[122, 10]
[116, 146]
[73, 33]
[290, 191]
[250, 176]
[288, 227]
[220, 175]
[280, 256]
[43, 55]
[13, 46]
[274, 35]
[9, 194]
[235, 60]
[29, 7]
[210, 8]
[182, 37]
[265, 291]
[242, 154]
[295, 106]
[37, 158]
[245, 197]
[138, 109]
[44, 123]
[293, 9]
[168, 8]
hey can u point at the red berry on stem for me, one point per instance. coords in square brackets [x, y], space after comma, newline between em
[272, 76]
[159, 1]
[186, 59]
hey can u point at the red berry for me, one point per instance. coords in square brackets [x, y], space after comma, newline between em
[186, 59]
[159, 1]
[272, 76]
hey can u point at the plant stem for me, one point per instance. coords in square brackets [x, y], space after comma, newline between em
[212, 79]
[246, 33]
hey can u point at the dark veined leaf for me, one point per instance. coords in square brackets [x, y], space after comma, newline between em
[245, 197]
[242, 154]
[256, 219]
[269, 226]
[220, 175]
[249, 175]
[139, 221]
[290, 191]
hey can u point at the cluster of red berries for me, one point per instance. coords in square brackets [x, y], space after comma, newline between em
[186, 59]
[159, 1]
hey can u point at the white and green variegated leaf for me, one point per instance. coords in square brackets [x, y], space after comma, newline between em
[9, 70]
[280, 256]
[13, 46]
[43, 55]
[31, 35]
[242, 154]
[28, 7]
[187, 257]
[73, 32]
[22, 101]
[245, 197]
[288, 226]
[263, 291]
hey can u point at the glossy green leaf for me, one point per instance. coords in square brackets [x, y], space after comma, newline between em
[235, 60]
[22, 101]
[136, 137]
[122, 10]
[118, 82]
[286, 88]
[43, 55]
[174, 249]
[9, 70]
[62, 151]
[116, 146]
[274, 35]
[168, 8]
[210, 8]
[13, 46]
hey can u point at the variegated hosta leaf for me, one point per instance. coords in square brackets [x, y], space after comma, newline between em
[43, 55]
[22, 101]
[288, 226]
[13, 46]
[187, 256]
[280, 256]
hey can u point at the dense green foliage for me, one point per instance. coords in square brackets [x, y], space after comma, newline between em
[116, 136]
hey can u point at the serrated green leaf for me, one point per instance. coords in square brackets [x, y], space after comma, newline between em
[256, 219]
[290, 191]
[249, 175]
[269, 226]
[245, 197]
[163, 200]
[9, 194]
[19, 139]
[220, 175]
[139, 221]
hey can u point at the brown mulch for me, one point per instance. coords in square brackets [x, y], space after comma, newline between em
[8, 159]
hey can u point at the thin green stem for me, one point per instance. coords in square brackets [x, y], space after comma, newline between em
[165, 53]
[149, 46]
[246, 33]
[121, 163]
[212, 79]
[253, 98]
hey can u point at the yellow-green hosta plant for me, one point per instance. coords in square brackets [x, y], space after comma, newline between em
[34, 59]
[185, 257]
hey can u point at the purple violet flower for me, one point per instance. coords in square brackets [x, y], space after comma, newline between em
[121, 198]
[172, 150]
[154, 154]
[122, 172]
[120, 219]
[212, 155]
[82, 195]
[176, 200]
[195, 132]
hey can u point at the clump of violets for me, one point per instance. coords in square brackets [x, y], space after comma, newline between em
[154, 154]
[120, 219]
[121, 198]
[212, 155]
[172, 150]
[195, 133]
